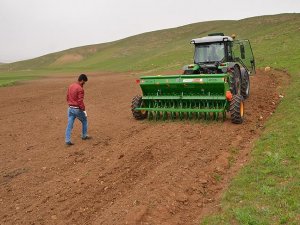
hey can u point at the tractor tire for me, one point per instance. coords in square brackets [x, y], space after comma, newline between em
[137, 102]
[235, 81]
[237, 109]
[245, 87]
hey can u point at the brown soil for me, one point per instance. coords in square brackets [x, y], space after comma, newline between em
[131, 172]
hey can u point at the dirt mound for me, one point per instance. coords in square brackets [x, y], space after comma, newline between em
[68, 58]
[131, 172]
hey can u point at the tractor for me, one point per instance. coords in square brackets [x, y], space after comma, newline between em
[216, 83]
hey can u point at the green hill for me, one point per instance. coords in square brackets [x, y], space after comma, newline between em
[267, 190]
[274, 41]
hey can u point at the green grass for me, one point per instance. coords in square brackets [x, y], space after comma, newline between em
[266, 191]
[13, 78]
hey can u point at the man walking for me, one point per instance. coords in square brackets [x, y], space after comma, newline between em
[75, 96]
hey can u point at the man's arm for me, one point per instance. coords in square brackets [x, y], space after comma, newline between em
[80, 99]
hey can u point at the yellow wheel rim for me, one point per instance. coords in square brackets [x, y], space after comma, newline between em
[143, 112]
[242, 109]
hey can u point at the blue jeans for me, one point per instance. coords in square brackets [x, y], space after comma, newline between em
[72, 115]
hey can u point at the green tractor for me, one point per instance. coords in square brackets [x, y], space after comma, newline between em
[216, 83]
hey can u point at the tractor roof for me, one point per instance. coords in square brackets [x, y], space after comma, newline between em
[210, 39]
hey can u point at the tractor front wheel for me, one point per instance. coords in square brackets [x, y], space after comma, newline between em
[137, 102]
[237, 109]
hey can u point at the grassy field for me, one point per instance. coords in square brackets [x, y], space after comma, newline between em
[266, 191]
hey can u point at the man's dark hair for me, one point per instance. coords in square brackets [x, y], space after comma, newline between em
[82, 77]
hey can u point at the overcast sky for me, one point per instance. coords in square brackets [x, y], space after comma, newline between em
[31, 28]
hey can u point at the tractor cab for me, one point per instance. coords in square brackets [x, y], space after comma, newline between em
[215, 51]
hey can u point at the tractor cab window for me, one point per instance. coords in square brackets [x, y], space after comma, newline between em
[209, 52]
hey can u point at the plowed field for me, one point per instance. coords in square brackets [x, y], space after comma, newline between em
[131, 172]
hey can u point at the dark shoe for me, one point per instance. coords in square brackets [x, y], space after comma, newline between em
[69, 143]
[86, 138]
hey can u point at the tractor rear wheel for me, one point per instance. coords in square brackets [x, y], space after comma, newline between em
[235, 81]
[237, 109]
[245, 87]
[137, 102]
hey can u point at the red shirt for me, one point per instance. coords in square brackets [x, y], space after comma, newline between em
[75, 96]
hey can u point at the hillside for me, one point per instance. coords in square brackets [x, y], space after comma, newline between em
[273, 38]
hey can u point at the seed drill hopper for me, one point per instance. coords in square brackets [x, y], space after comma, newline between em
[216, 83]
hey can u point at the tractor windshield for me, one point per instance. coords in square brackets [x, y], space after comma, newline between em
[209, 52]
